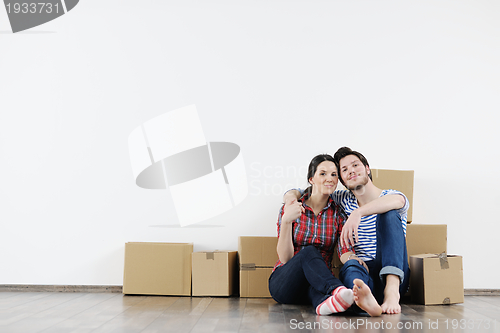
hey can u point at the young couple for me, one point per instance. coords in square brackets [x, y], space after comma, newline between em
[371, 240]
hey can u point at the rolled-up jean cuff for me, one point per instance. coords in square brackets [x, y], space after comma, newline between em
[392, 270]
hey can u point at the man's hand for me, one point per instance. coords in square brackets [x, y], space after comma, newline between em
[290, 196]
[361, 261]
[344, 258]
[292, 210]
[350, 228]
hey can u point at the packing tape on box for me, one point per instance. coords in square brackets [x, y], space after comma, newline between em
[210, 255]
[205, 178]
[247, 267]
[443, 260]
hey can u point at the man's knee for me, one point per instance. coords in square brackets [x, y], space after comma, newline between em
[391, 216]
[351, 270]
[352, 266]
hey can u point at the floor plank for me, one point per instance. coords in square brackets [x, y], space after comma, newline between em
[95, 315]
[105, 312]
[24, 313]
[222, 315]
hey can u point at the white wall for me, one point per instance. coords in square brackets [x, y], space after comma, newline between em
[412, 85]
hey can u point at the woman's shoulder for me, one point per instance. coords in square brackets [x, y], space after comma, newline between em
[334, 205]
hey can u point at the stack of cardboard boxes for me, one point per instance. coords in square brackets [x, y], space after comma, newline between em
[435, 277]
[173, 268]
[257, 259]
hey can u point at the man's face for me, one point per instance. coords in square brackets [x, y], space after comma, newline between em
[353, 172]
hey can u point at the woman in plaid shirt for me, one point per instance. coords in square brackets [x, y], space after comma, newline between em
[307, 233]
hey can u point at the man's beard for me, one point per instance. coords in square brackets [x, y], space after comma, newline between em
[359, 186]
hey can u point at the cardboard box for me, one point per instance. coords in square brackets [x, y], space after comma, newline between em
[214, 273]
[255, 282]
[257, 257]
[426, 238]
[157, 269]
[436, 279]
[400, 180]
[257, 251]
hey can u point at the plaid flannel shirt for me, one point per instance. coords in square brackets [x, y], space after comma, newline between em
[322, 231]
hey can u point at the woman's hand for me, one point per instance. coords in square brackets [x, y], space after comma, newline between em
[292, 211]
[350, 227]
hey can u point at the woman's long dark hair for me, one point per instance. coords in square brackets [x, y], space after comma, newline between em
[313, 166]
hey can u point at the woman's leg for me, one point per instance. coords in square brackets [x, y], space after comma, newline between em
[304, 277]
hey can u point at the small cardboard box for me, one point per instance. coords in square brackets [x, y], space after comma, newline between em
[214, 273]
[157, 269]
[400, 180]
[257, 256]
[436, 279]
[255, 282]
[426, 238]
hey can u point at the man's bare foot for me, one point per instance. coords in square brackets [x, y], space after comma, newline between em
[391, 295]
[391, 302]
[364, 298]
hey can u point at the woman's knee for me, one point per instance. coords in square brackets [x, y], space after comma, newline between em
[309, 251]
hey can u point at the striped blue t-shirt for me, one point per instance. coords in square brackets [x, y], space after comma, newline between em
[366, 247]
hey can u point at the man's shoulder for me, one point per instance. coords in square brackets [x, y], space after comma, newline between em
[344, 198]
[403, 210]
[391, 191]
[342, 194]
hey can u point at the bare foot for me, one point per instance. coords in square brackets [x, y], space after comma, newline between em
[391, 295]
[364, 298]
[391, 302]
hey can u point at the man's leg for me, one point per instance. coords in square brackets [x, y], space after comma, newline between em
[352, 270]
[392, 260]
[355, 276]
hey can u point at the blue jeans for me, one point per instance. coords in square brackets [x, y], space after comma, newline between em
[391, 258]
[304, 279]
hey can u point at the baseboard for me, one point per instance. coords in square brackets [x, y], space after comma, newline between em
[60, 288]
[482, 292]
[119, 289]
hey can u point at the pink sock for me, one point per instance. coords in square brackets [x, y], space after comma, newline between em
[341, 299]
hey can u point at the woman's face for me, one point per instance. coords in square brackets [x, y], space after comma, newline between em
[325, 178]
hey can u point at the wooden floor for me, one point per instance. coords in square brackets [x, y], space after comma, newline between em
[30, 312]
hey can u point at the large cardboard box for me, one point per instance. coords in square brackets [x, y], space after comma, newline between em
[258, 251]
[436, 279]
[157, 268]
[257, 256]
[426, 238]
[400, 180]
[214, 273]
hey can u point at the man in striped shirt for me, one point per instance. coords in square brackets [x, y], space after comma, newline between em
[376, 227]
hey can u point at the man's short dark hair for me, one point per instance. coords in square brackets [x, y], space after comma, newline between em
[346, 151]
